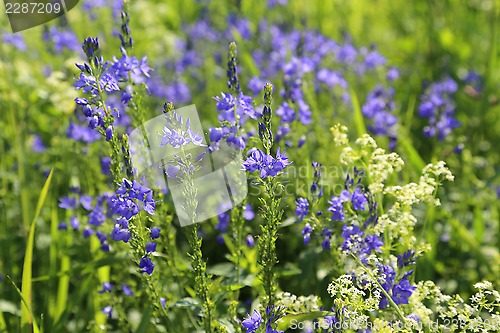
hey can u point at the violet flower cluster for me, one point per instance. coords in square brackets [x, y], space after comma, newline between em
[359, 201]
[107, 89]
[400, 292]
[128, 201]
[61, 39]
[379, 108]
[287, 56]
[180, 135]
[15, 40]
[108, 288]
[358, 240]
[267, 165]
[224, 219]
[234, 109]
[254, 321]
[232, 113]
[302, 208]
[437, 105]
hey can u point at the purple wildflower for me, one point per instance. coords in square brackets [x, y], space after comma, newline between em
[126, 290]
[16, 40]
[302, 208]
[146, 265]
[252, 322]
[150, 247]
[87, 232]
[379, 107]
[250, 241]
[306, 232]
[108, 310]
[106, 288]
[438, 107]
[68, 203]
[266, 164]
[358, 199]
[74, 223]
[336, 208]
[402, 291]
[154, 233]
[248, 213]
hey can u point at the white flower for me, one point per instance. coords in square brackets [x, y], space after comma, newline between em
[339, 135]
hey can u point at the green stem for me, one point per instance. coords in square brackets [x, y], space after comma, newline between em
[267, 243]
[386, 294]
[196, 257]
[199, 267]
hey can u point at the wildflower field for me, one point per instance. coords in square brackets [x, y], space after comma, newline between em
[251, 166]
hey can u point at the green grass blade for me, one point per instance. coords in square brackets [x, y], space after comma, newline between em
[84, 269]
[26, 288]
[103, 275]
[3, 325]
[359, 122]
[410, 111]
[466, 237]
[144, 324]
[36, 329]
[413, 155]
[51, 307]
[63, 288]
[287, 321]
[21, 172]
[78, 297]
[478, 222]
[404, 140]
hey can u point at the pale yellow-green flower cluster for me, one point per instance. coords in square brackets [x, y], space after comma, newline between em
[425, 190]
[59, 92]
[297, 304]
[354, 300]
[429, 309]
[339, 135]
[397, 222]
[452, 314]
[57, 88]
[381, 166]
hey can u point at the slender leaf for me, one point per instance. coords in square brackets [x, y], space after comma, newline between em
[26, 288]
[144, 324]
[36, 329]
[413, 155]
[287, 321]
[359, 123]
